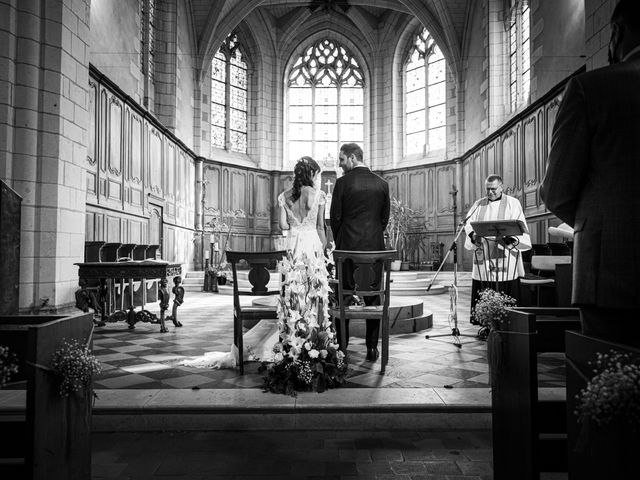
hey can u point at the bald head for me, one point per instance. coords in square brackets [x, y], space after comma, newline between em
[625, 29]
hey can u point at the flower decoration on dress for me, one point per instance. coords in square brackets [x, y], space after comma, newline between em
[308, 355]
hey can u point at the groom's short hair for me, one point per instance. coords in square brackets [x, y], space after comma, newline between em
[352, 149]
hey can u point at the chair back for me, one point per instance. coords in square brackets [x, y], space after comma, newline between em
[547, 263]
[259, 275]
[369, 275]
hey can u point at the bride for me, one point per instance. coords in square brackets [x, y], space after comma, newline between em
[301, 213]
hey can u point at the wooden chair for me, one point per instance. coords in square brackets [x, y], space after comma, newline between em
[259, 277]
[364, 278]
[543, 269]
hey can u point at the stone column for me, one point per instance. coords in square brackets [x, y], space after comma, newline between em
[43, 140]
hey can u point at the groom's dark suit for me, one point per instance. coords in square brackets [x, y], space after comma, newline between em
[592, 184]
[359, 215]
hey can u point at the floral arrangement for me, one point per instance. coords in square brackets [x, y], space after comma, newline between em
[613, 394]
[8, 365]
[308, 356]
[75, 365]
[491, 310]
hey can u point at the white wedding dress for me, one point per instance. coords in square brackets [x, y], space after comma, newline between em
[259, 341]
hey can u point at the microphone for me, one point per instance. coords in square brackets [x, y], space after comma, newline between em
[476, 205]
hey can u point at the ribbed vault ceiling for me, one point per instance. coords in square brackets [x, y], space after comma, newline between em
[214, 19]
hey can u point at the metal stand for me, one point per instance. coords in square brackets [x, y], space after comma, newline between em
[453, 289]
[453, 294]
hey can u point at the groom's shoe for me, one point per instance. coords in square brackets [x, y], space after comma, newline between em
[372, 354]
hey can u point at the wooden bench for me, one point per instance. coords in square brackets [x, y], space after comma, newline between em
[609, 453]
[51, 439]
[529, 424]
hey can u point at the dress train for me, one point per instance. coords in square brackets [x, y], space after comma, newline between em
[258, 346]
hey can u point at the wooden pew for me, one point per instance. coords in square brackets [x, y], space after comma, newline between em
[52, 438]
[529, 424]
[610, 453]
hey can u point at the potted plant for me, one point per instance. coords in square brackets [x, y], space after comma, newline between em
[223, 274]
[400, 217]
[220, 228]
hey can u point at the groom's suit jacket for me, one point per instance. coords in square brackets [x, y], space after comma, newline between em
[592, 182]
[360, 210]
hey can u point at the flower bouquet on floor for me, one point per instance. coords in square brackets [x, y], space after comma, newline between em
[308, 356]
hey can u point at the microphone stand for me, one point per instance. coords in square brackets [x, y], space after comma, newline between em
[453, 289]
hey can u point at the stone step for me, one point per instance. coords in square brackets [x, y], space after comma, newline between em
[194, 274]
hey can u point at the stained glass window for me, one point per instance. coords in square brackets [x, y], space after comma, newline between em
[229, 97]
[425, 97]
[519, 53]
[326, 102]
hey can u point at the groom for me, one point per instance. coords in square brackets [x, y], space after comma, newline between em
[359, 216]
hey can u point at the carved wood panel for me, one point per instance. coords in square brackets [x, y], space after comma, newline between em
[509, 156]
[417, 194]
[155, 161]
[530, 161]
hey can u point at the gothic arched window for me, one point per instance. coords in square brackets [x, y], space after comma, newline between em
[229, 97]
[519, 53]
[325, 102]
[425, 97]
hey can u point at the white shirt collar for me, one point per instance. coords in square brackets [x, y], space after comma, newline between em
[361, 165]
[632, 52]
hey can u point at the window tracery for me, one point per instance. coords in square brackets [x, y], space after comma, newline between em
[425, 96]
[229, 97]
[325, 90]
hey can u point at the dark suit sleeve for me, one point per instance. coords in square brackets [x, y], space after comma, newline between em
[335, 213]
[386, 207]
[569, 155]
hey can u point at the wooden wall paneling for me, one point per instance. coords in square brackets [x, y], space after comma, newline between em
[239, 198]
[181, 163]
[212, 176]
[530, 161]
[477, 187]
[445, 179]
[417, 193]
[135, 176]
[89, 226]
[91, 164]
[191, 192]
[509, 158]
[430, 206]
[169, 244]
[115, 149]
[250, 201]
[113, 229]
[263, 203]
[169, 176]
[394, 184]
[551, 110]
[465, 190]
[135, 231]
[491, 163]
[155, 161]
[102, 144]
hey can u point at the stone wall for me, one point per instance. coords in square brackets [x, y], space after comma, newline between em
[44, 65]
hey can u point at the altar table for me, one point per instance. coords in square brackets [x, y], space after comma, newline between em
[108, 273]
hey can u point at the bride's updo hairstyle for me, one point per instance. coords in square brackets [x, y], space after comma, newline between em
[303, 173]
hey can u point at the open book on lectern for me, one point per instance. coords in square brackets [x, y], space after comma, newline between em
[499, 228]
